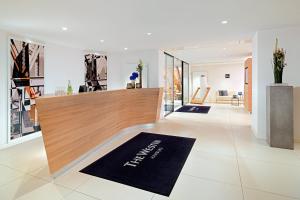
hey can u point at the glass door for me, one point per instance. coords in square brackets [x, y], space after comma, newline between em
[178, 84]
[169, 85]
[186, 72]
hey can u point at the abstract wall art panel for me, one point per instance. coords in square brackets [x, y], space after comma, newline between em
[26, 84]
[96, 71]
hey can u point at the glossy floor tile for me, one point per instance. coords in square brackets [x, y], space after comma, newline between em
[270, 177]
[7, 174]
[104, 189]
[226, 162]
[79, 196]
[188, 187]
[48, 191]
[211, 166]
[251, 194]
[24, 185]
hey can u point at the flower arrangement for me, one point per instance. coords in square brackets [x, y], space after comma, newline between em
[139, 69]
[133, 76]
[278, 62]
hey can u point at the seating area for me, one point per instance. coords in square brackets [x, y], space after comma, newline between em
[224, 96]
[229, 97]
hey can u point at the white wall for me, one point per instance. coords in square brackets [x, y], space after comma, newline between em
[67, 63]
[255, 94]
[216, 77]
[113, 71]
[120, 62]
[161, 68]
[63, 64]
[264, 41]
[3, 87]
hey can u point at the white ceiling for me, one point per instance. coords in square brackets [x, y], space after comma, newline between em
[179, 24]
[214, 53]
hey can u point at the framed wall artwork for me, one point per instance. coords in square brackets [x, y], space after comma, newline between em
[26, 77]
[96, 71]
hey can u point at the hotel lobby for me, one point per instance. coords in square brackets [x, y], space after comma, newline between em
[157, 100]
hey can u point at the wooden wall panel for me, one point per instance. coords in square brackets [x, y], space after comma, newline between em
[248, 87]
[73, 125]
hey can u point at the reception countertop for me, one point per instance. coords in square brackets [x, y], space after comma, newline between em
[73, 125]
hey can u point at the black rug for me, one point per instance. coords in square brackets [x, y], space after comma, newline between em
[169, 107]
[194, 109]
[148, 161]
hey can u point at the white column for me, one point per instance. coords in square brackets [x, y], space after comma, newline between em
[3, 87]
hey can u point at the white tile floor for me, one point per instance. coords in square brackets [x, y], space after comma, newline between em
[227, 162]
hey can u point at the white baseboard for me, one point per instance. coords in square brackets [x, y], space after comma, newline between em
[21, 140]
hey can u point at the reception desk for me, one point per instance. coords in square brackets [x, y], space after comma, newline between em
[73, 125]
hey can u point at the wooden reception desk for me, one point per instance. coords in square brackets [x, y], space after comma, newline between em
[73, 125]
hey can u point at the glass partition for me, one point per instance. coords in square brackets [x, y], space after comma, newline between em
[177, 84]
[176, 91]
[169, 85]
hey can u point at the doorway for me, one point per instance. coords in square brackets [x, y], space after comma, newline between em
[176, 91]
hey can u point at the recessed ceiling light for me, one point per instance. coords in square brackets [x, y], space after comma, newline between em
[125, 48]
[101, 41]
[224, 48]
[224, 22]
[64, 28]
[149, 34]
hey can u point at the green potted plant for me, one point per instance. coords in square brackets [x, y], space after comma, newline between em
[139, 69]
[278, 63]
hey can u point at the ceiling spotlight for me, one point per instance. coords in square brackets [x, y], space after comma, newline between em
[149, 34]
[125, 48]
[224, 48]
[64, 28]
[224, 22]
[101, 41]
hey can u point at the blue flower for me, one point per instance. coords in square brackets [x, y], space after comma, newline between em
[132, 78]
[135, 74]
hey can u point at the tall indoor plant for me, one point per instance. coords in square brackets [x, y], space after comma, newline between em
[139, 69]
[278, 63]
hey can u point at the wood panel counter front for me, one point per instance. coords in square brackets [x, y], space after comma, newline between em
[73, 125]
